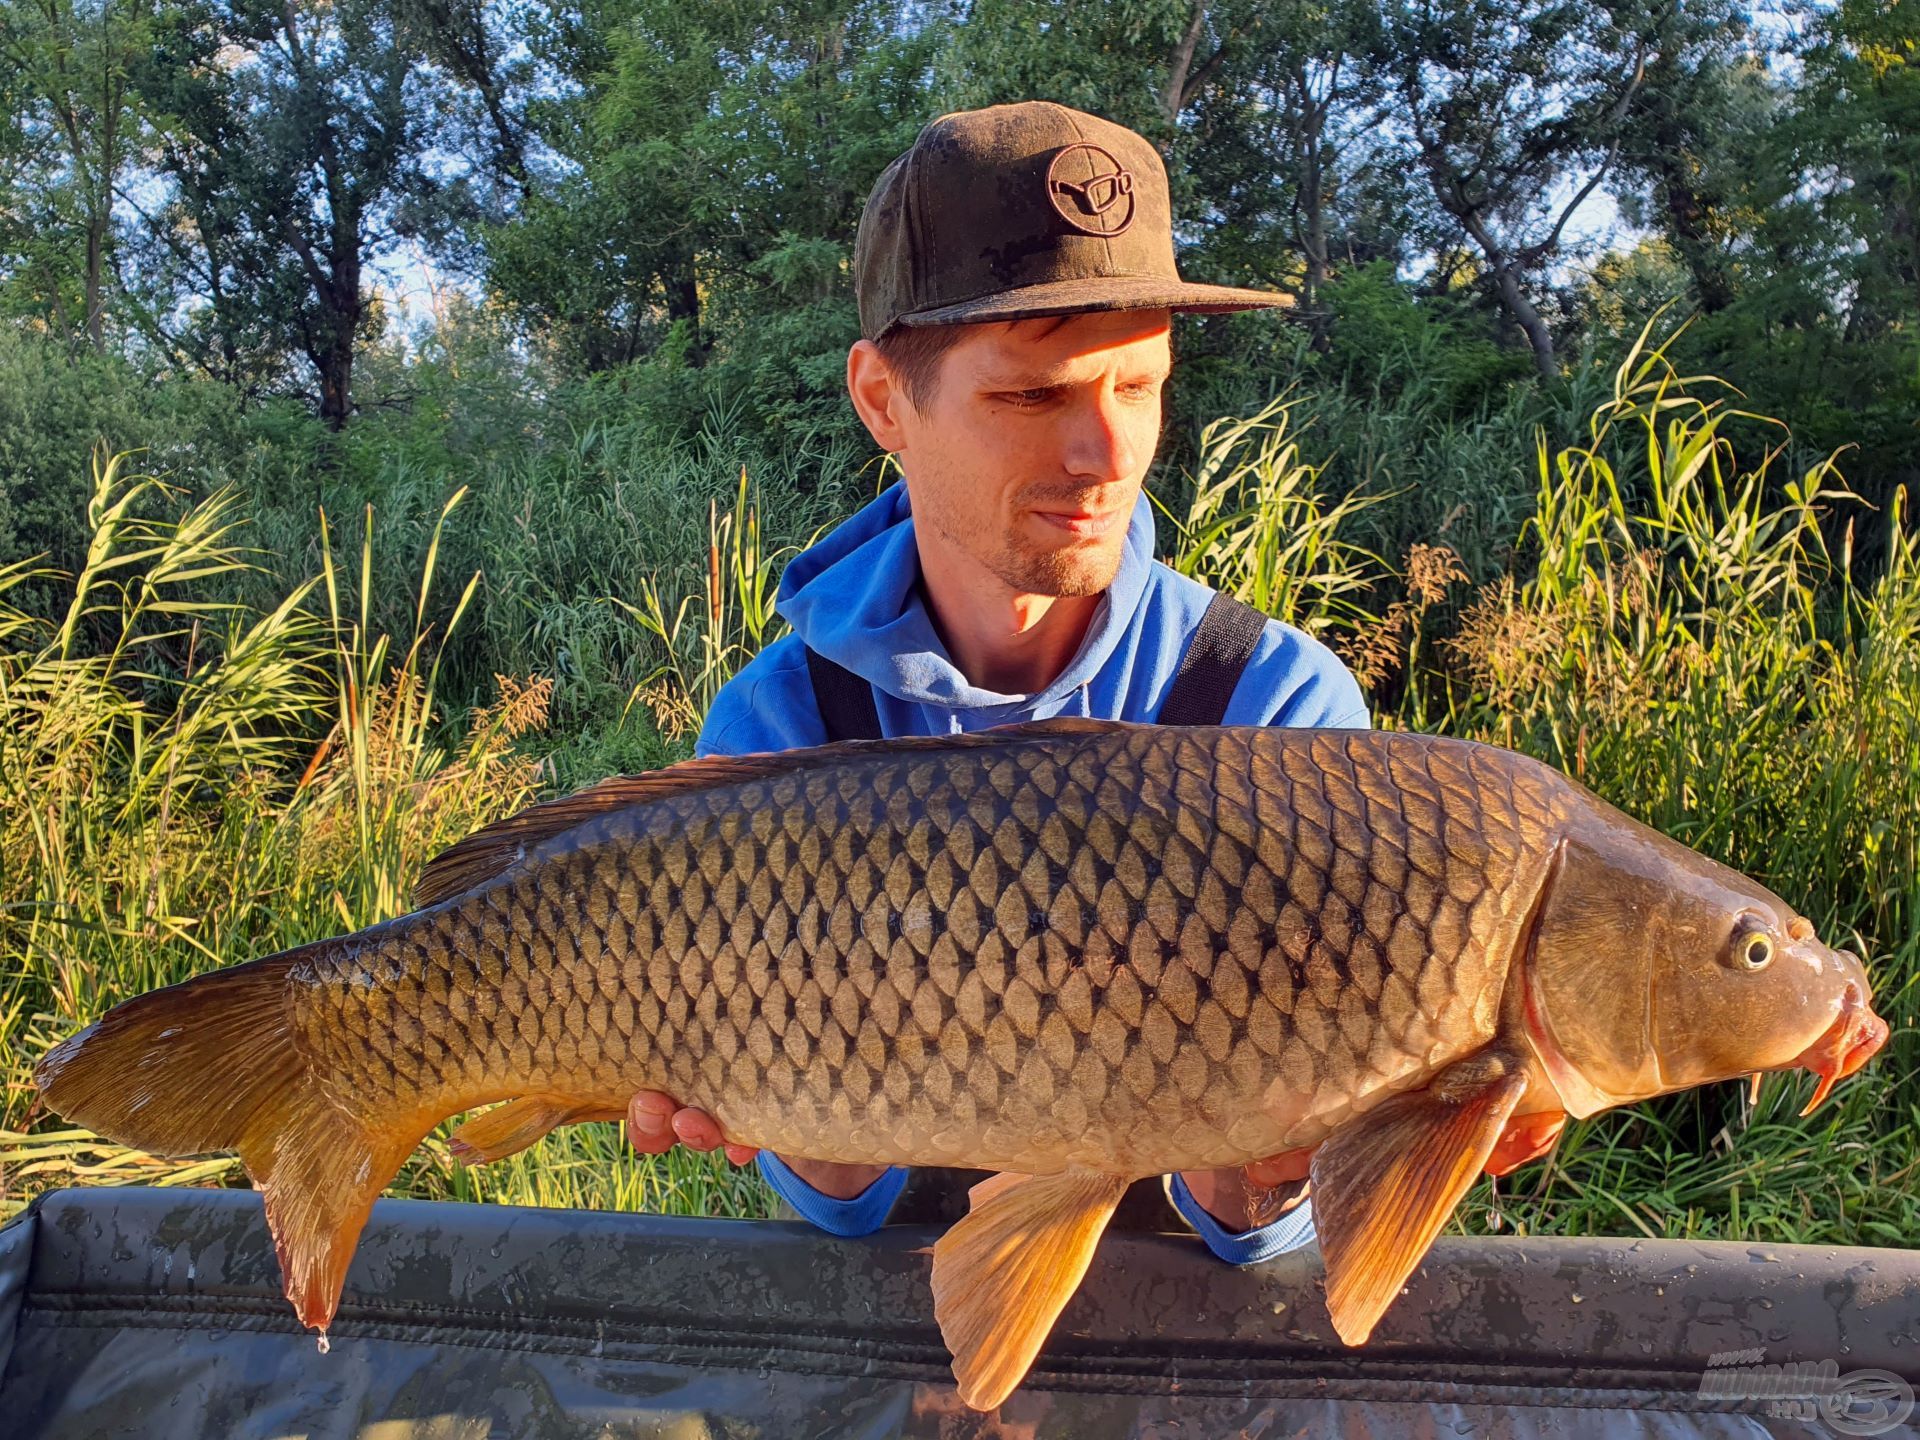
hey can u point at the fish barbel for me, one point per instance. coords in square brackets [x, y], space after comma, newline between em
[1075, 952]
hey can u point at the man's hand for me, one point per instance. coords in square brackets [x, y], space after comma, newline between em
[656, 1122]
[1252, 1195]
[1240, 1199]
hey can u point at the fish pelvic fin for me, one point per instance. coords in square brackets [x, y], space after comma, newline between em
[1002, 1274]
[214, 1064]
[1384, 1185]
[510, 1128]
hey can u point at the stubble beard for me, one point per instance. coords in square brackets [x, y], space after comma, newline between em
[1064, 574]
[1071, 570]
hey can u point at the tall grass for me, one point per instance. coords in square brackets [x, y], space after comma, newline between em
[715, 630]
[1701, 659]
[598, 513]
[1674, 622]
[1259, 527]
[214, 784]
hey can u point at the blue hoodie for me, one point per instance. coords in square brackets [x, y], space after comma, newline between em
[853, 597]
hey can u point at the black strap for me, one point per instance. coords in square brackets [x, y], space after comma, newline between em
[1201, 688]
[1211, 667]
[845, 700]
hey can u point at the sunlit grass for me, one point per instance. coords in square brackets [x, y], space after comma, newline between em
[185, 784]
[199, 785]
[1684, 642]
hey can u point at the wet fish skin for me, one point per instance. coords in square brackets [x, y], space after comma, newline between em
[1132, 951]
[1079, 950]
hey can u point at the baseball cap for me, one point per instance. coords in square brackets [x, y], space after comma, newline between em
[1021, 210]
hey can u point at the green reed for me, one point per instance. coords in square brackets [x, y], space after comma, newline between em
[203, 784]
[186, 783]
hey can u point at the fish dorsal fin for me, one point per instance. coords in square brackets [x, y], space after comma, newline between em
[1384, 1184]
[490, 850]
[1002, 1275]
[1058, 725]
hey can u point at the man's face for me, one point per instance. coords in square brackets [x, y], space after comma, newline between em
[1029, 456]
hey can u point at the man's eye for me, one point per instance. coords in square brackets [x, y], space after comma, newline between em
[1029, 397]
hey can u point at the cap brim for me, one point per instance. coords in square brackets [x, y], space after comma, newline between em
[1108, 292]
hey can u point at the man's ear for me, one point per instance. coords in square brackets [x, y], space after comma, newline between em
[877, 396]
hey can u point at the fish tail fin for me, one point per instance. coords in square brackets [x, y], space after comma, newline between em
[212, 1064]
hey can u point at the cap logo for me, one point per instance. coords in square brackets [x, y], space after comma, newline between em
[1090, 190]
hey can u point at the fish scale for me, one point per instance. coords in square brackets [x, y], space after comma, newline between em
[1055, 951]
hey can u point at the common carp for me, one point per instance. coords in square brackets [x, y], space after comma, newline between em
[1075, 952]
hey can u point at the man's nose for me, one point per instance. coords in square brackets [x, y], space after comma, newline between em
[1101, 444]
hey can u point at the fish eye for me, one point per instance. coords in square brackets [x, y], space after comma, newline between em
[1752, 949]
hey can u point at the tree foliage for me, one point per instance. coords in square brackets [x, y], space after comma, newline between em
[664, 194]
[294, 145]
[68, 83]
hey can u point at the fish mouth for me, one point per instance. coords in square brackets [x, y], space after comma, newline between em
[1854, 1037]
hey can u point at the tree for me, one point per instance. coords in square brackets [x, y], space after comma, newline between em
[713, 161]
[1856, 142]
[1138, 62]
[293, 143]
[1504, 106]
[475, 45]
[1693, 138]
[77, 133]
[1285, 151]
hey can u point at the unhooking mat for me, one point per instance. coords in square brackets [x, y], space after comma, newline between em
[157, 1313]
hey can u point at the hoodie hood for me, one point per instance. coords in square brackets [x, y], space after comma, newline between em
[854, 597]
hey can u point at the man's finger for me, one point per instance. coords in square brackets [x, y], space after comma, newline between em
[697, 1129]
[650, 1122]
[741, 1154]
[1277, 1170]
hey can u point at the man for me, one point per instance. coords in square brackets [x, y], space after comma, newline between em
[1016, 279]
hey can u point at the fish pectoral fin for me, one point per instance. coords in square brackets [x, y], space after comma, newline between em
[1385, 1184]
[1002, 1275]
[510, 1128]
[1527, 1137]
